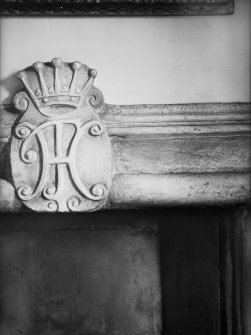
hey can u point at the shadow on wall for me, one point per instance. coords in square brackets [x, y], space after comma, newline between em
[12, 85]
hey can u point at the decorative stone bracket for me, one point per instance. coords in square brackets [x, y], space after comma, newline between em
[69, 151]
[60, 151]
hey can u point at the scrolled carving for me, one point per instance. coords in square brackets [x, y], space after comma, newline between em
[23, 130]
[49, 191]
[52, 206]
[30, 157]
[21, 101]
[96, 98]
[60, 150]
[24, 192]
[73, 203]
[98, 191]
[96, 129]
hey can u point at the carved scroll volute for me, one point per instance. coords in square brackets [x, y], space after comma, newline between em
[61, 156]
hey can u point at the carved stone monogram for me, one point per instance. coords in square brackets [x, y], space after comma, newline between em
[60, 151]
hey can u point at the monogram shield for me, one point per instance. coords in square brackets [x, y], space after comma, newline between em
[60, 152]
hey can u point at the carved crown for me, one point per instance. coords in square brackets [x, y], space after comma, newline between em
[57, 83]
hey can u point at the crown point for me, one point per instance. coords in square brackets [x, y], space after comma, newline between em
[56, 62]
[38, 66]
[93, 73]
[21, 75]
[76, 66]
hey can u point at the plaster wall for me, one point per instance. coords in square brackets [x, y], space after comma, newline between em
[139, 60]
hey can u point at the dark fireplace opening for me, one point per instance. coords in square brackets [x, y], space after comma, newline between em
[120, 272]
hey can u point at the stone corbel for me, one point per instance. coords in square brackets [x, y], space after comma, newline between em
[69, 151]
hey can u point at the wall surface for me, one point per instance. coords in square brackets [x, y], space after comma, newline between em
[139, 60]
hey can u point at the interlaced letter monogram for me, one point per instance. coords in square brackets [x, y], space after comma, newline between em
[60, 151]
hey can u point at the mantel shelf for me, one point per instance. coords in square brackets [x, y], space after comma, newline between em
[186, 154]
